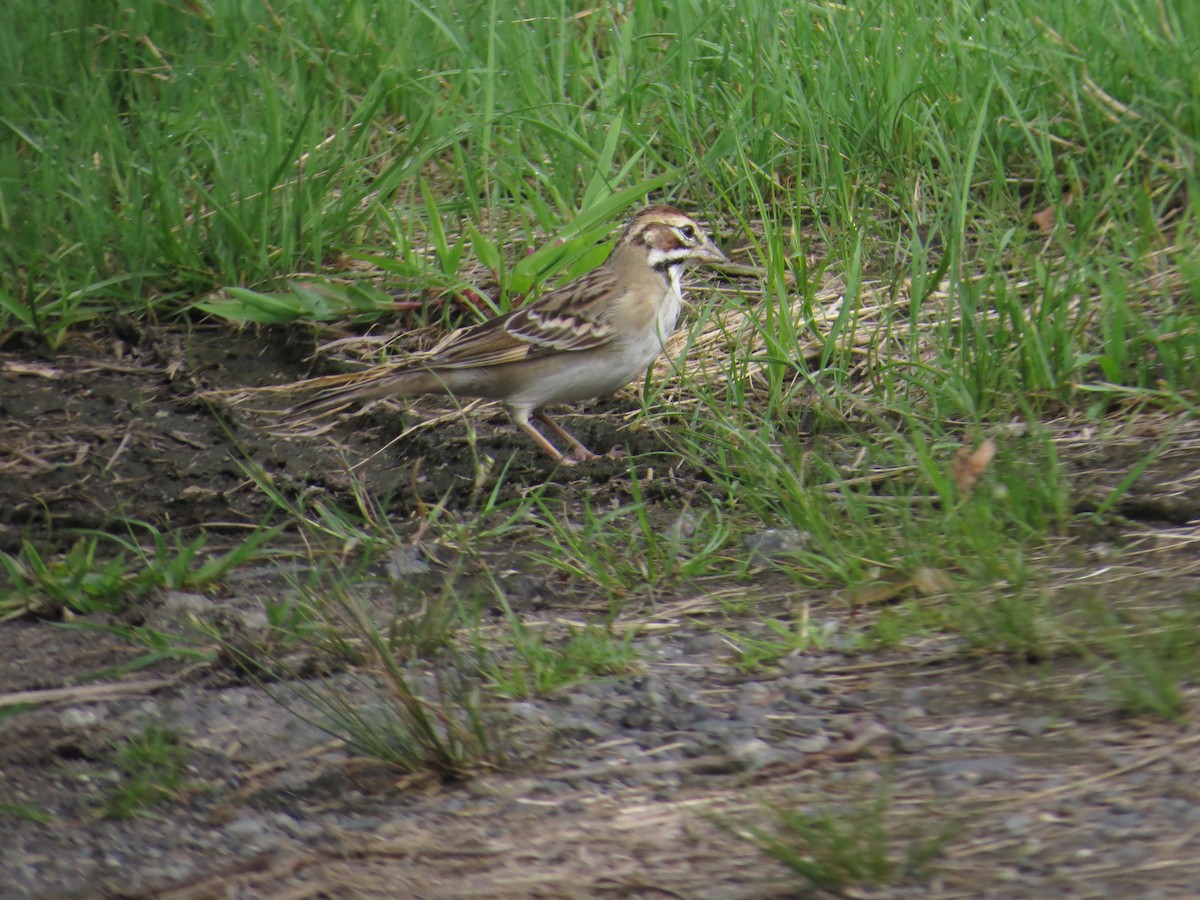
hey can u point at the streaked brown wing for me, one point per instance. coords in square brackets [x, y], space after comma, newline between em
[485, 344]
[574, 317]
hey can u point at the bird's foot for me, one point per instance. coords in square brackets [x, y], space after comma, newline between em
[578, 454]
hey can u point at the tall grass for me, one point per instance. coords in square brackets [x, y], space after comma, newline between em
[1010, 187]
[154, 150]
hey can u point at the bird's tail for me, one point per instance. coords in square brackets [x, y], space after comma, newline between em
[335, 392]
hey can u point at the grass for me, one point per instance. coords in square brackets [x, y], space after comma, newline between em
[624, 552]
[151, 766]
[780, 640]
[996, 227]
[1147, 658]
[88, 579]
[217, 145]
[964, 227]
[834, 849]
[386, 704]
[26, 812]
[540, 666]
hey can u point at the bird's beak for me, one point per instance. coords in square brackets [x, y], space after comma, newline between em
[710, 252]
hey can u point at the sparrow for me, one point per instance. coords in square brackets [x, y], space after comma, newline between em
[585, 339]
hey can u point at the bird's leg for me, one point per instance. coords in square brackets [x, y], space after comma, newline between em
[540, 440]
[579, 453]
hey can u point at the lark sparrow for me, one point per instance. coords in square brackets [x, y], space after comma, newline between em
[585, 339]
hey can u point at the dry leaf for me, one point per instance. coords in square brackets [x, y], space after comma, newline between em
[926, 581]
[198, 492]
[923, 581]
[969, 464]
[30, 368]
[879, 591]
[1044, 219]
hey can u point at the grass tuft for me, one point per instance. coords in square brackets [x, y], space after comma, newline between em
[835, 849]
[152, 766]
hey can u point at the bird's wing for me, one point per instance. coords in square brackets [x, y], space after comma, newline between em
[573, 317]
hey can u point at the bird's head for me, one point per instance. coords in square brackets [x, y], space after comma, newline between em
[670, 238]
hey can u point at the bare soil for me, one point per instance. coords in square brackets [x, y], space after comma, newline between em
[1048, 792]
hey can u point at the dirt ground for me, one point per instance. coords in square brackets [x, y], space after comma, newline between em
[1046, 792]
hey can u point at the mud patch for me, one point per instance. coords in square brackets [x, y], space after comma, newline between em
[100, 434]
[622, 790]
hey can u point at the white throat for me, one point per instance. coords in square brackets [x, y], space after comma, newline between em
[668, 310]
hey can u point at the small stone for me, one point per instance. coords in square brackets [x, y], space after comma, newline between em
[813, 743]
[583, 729]
[754, 694]
[523, 588]
[707, 644]
[584, 703]
[799, 664]
[404, 561]
[1033, 726]
[1018, 823]
[913, 695]
[246, 828]
[981, 770]
[802, 686]
[301, 830]
[182, 603]
[775, 543]
[807, 725]
[78, 717]
[637, 716]
[683, 528]
[528, 712]
[911, 740]
[750, 714]
[754, 753]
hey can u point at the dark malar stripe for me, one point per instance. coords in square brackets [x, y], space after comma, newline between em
[663, 266]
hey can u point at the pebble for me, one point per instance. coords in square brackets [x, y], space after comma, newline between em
[754, 753]
[754, 694]
[813, 743]
[1033, 726]
[79, 717]
[302, 830]
[404, 561]
[771, 544]
[523, 589]
[527, 711]
[804, 724]
[247, 828]
[183, 602]
[683, 528]
[979, 770]
[1019, 823]
[913, 740]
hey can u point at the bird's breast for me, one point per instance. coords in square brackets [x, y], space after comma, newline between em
[653, 321]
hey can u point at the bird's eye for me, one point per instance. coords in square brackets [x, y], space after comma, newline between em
[688, 232]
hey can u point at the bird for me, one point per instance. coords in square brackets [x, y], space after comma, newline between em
[585, 339]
